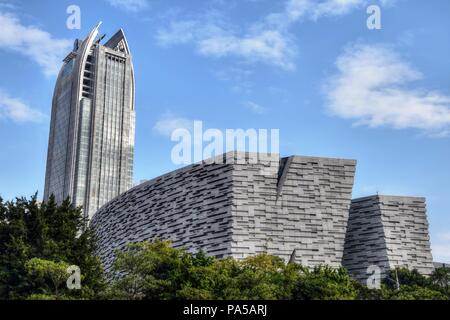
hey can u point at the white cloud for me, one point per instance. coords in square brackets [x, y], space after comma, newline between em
[16, 110]
[168, 123]
[268, 41]
[7, 6]
[371, 88]
[301, 10]
[444, 236]
[179, 32]
[33, 42]
[210, 39]
[441, 247]
[270, 46]
[314, 10]
[254, 107]
[129, 5]
[441, 253]
[238, 76]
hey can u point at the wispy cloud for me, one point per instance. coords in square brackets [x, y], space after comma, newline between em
[33, 43]
[130, 5]
[7, 6]
[181, 32]
[214, 39]
[313, 9]
[18, 111]
[239, 76]
[373, 87]
[316, 9]
[168, 123]
[268, 40]
[269, 46]
[441, 252]
[444, 236]
[254, 107]
[441, 247]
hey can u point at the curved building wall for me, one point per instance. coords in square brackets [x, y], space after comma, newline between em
[238, 208]
[191, 207]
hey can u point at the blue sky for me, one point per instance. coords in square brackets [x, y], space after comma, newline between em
[310, 68]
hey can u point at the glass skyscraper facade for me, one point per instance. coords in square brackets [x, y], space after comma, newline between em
[91, 143]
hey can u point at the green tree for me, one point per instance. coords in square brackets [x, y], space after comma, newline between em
[52, 274]
[405, 277]
[146, 270]
[325, 283]
[440, 279]
[415, 292]
[157, 271]
[266, 277]
[412, 286]
[220, 280]
[48, 232]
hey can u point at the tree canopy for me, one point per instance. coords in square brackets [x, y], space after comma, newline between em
[155, 270]
[38, 242]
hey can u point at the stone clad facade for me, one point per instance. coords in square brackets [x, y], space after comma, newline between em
[298, 208]
[303, 208]
[294, 208]
[387, 232]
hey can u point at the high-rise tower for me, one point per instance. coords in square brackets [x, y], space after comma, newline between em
[91, 144]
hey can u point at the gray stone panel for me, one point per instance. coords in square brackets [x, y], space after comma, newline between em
[238, 208]
[191, 207]
[304, 208]
[388, 232]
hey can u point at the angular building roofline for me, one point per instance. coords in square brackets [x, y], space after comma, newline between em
[116, 39]
[235, 156]
[383, 196]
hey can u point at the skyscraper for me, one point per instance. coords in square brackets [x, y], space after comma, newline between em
[91, 143]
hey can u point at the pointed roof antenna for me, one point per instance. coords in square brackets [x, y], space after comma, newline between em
[94, 31]
[101, 38]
